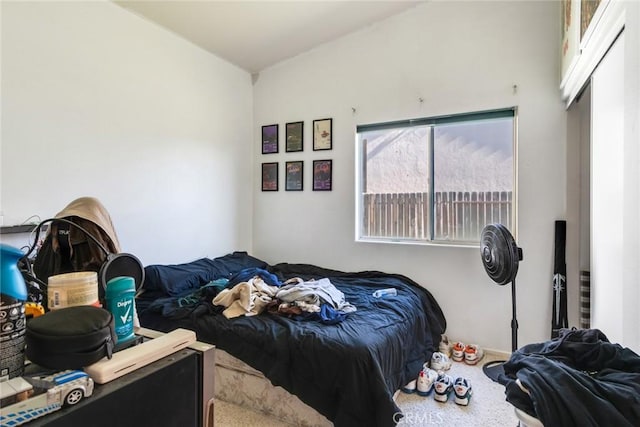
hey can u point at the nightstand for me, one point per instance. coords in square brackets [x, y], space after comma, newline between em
[176, 390]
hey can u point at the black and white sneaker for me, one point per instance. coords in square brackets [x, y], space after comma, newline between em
[463, 391]
[443, 387]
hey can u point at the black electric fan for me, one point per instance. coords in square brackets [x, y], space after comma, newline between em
[500, 257]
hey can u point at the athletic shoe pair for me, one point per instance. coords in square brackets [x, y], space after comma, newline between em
[424, 383]
[470, 354]
[428, 374]
[461, 388]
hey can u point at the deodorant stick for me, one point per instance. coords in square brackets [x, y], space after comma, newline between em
[120, 297]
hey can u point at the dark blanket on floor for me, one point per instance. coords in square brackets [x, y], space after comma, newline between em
[347, 371]
[578, 379]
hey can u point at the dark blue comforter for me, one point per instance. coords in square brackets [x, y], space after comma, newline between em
[348, 371]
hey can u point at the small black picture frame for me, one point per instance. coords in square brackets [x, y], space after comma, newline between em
[322, 134]
[270, 176]
[322, 175]
[269, 139]
[294, 176]
[294, 136]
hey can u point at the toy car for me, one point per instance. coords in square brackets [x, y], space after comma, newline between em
[26, 398]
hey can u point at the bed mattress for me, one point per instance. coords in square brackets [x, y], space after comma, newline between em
[239, 383]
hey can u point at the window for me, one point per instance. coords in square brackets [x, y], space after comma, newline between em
[436, 179]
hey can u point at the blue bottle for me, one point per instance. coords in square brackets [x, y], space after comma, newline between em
[120, 297]
[13, 295]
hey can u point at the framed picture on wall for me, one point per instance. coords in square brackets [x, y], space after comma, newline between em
[322, 134]
[294, 136]
[270, 176]
[293, 176]
[269, 139]
[322, 175]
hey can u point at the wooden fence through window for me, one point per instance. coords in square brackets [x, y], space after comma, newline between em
[459, 216]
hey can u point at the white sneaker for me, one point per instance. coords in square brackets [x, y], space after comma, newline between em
[443, 387]
[473, 354]
[440, 362]
[426, 378]
[445, 345]
[409, 388]
[458, 351]
[462, 390]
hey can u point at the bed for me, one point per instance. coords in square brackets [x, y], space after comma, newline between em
[346, 370]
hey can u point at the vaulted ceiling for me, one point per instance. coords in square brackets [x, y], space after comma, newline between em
[255, 35]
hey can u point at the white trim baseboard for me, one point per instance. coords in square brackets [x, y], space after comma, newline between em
[497, 354]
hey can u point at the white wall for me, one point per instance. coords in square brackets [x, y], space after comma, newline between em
[631, 253]
[610, 113]
[97, 101]
[607, 193]
[458, 57]
[578, 254]
[632, 176]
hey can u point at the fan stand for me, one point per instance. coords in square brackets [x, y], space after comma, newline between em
[495, 368]
[500, 256]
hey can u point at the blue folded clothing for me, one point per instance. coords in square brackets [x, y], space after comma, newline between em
[248, 273]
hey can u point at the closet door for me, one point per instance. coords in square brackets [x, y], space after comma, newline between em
[607, 194]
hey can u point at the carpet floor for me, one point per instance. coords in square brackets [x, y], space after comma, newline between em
[487, 408]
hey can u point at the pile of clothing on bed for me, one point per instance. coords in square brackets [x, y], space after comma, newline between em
[578, 379]
[254, 290]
